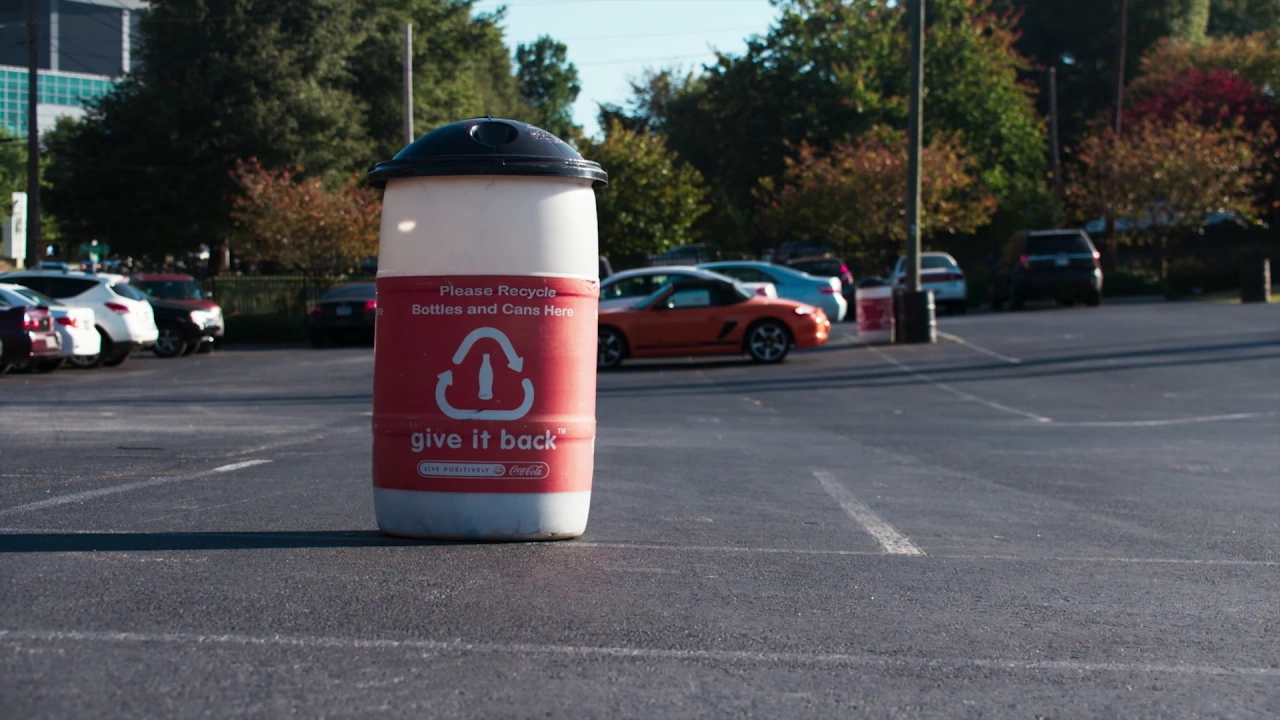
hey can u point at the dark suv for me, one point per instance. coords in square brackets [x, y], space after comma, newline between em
[1061, 265]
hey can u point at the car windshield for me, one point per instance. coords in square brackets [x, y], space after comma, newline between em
[351, 292]
[1054, 244]
[172, 289]
[37, 297]
[826, 268]
[125, 290]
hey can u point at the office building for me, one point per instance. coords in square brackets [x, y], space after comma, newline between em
[85, 48]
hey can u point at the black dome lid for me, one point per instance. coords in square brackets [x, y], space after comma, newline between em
[488, 146]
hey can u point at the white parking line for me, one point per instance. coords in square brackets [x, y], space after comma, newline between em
[978, 348]
[959, 393]
[91, 494]
[891, 540]
[1166, 423]
[644, 653]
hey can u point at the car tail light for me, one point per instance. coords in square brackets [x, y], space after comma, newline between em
[762, 291]
[1097, 259]
[1025, 261]
[827, 290]
[67, 321]
[116, 307]
[30, 322]
[370, 305]
[317, 310]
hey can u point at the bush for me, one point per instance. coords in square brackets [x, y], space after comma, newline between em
[265, 329]
[1127, 282]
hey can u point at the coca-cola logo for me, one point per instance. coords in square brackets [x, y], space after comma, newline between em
[533, 470]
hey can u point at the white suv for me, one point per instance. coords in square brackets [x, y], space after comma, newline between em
[122, 314]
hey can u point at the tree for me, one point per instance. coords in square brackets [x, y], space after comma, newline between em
[462, 68]
[1208, 97]
[548, 84]
[293, 221]
[1168, 178]
[219, 80]
[1254, 57]
[652, 202]
[853, 196]
[832, 69]
[651, 98]
[1243, 17]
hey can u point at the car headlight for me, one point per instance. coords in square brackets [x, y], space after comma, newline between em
[805, 310]
[200, 317]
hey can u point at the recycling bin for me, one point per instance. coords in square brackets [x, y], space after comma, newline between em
[485, 352]
[873, 307]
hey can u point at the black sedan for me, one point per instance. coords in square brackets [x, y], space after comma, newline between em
[184, 330]
[344, 314]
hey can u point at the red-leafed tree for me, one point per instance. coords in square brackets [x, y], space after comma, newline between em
[854, 195]
[299, 223]
[1209, 97]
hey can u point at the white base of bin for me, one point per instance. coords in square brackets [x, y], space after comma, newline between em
[481, 516]
[875, 337]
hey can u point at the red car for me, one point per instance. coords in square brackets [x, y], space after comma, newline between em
[27, 336]
[182, 289]
[708, 316]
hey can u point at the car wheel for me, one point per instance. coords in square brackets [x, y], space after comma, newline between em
[1093, 299]
[611, 348]
[88, 362]
[960, 308]
[318, 339]
[47, 366]
[768, 341]
[117, 360]
[171, 342]
[193, 347]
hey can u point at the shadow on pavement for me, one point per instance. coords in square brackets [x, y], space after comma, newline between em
[151, 542]
[1078, 364]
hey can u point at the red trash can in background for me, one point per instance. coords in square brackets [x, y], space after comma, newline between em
[873, 305]
[485, 355]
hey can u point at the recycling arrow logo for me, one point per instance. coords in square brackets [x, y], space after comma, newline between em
[514, 362]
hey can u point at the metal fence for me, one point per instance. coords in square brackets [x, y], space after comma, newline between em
[268, 294]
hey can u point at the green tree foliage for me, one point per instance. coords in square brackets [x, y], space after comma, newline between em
[832, 69]
[220, 80]
[652, 202]
[1243, 17]
[461, 67]
[548, 84]
[314, 84]
[651, 98]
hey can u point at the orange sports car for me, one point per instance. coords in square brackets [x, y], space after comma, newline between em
[708, 315]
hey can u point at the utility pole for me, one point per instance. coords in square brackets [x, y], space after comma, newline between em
[1053, 131]
[915, 310]
[1113, 243]
[1120, 60]
[408, 83]
[915, 141]
[33, 135]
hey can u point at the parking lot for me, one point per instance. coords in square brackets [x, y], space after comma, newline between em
[1055, 513]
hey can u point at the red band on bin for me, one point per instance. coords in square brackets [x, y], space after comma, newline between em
[485, 384]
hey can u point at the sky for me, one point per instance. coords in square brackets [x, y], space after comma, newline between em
[613, 41]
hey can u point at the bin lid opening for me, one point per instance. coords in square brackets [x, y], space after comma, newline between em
[488, 146]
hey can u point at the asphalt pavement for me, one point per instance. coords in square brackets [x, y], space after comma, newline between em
[1058, 513]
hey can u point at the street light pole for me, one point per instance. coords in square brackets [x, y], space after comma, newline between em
[915, 142]
[33, 134]
[915, 321]
[408, 83]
